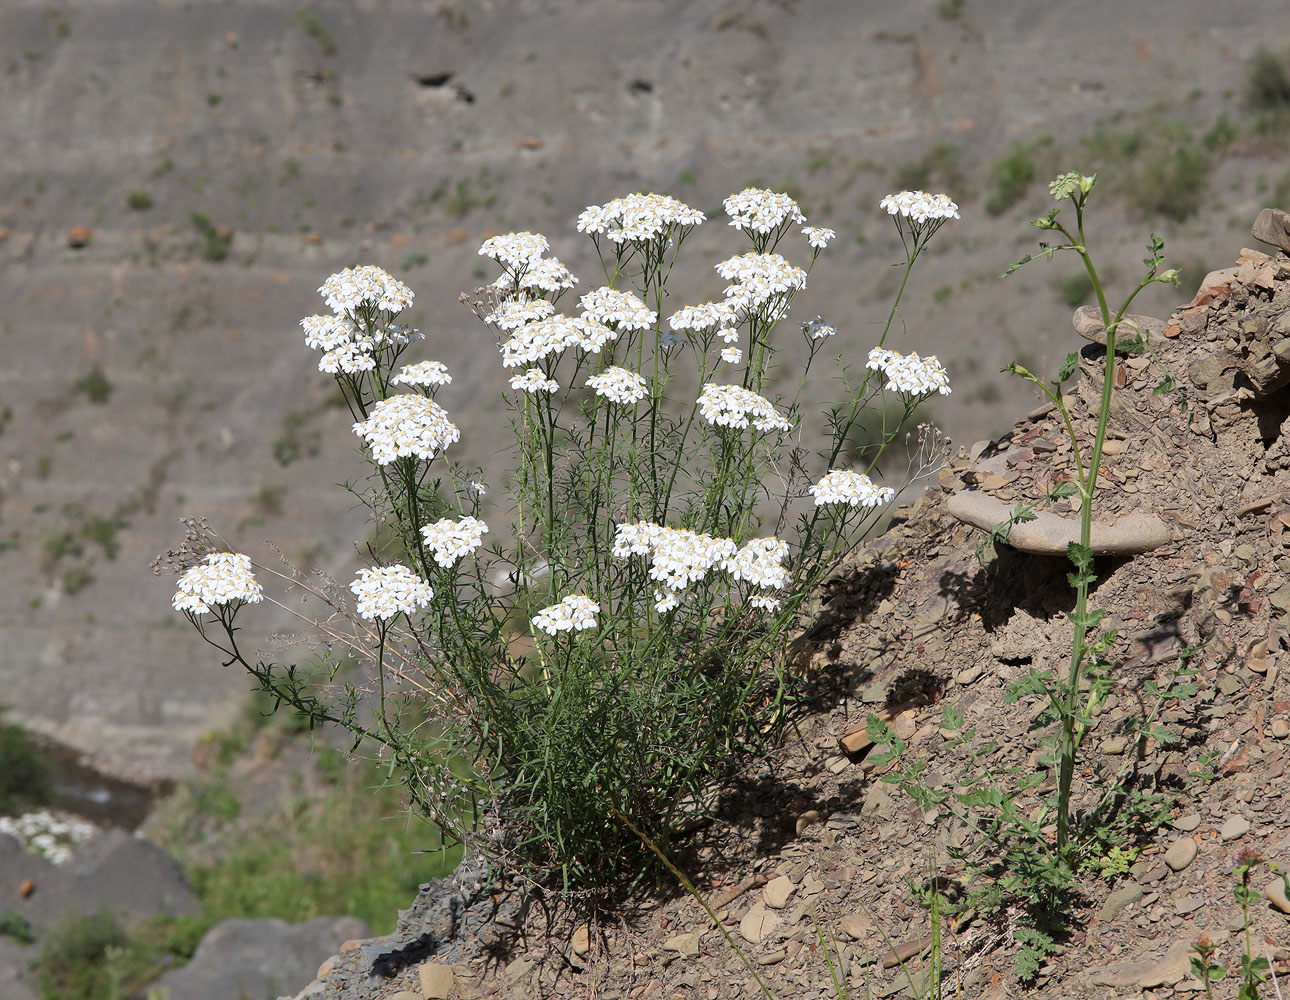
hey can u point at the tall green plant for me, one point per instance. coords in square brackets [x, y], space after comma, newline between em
[620, 643]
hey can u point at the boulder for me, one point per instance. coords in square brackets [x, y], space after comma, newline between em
[1050, 535]
[1087, 321]
[1272, 226]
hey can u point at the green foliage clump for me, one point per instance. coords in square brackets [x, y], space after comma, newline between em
[13, 924]
[26, 781]
[1075, 289]
[94, 385]
[138, 200]
[75, 955]
[1267, 81]
[216, 240]
[1161, 170]
[313, 26]
[1013, 173]
[936, 169]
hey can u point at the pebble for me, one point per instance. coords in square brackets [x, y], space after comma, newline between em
[687, 945]
[1115, 903]
[1181, 853]
[1234, 827]
[438, 982]
[775, 893]
[1280, 729]
[1276, 893]
[969, 674]
[581, 940]
[1115, 746]
[1187, 823]
[757, 923]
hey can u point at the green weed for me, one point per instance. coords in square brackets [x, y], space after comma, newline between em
[1267, 81]
[138, 200]
[312, 25]
[94, 385]
[26, 781]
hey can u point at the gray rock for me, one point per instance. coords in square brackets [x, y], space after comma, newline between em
[1273, 226]
[16, 980]
[1087, 321]
[1235, 827]
[1146, 971]
[259, 958]
[1050, 535]
[1187, 823]
[1276, 893]
[1181, 853]
[1115, 903]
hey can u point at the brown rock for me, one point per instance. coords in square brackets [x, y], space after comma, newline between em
[1273, 226]
[1087, 321]
[1181, 853]
[904, 952]
[580, 942]
[26, 888]
[1280, 729]
[328, 967]
[775, 893]
[79, 236]
[758, 923]
[438, 982]
[808, 819]
[686, 945]
[1276, 893]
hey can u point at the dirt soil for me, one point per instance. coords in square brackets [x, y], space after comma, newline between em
[814, 841]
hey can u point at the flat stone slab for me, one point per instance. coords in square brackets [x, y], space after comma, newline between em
[1050, 534]
[1087, 321]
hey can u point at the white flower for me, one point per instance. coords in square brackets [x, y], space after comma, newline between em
[388, 591]
[759, 561]
[852, 488]
[910, 373]
[731, 355]
[609, 305]
[575, 612]
[478, 489]
[729, 336]
[534, 380]
[703, 317]
[758, 278]
[618, 385]
[547, 275]
[731, 406]
[326, 333]
[423, 373]
[638, 217]
[515, 251]
[225, 578]
[348, 359]
[818, 236]
[515, 313]
[406, 425]
[368, 285]
[761, 211]
[451, 539]
[764, 601]
[920, 206]
[817, 329]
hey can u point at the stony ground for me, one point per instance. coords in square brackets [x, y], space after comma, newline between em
[814, 841]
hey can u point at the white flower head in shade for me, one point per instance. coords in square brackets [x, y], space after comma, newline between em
[519, 311]
[638, 218]
[534, 380]
[704, 317]
[450, 538]
[731, 355]
[388, 591]
[761, 211]
[920, 206]
[407, 425]
[818, 236]
[431, 373]
[733, 405]
[224, 578]
[817, 329]
[355, 287]
[851, 488]
[574, 613]
[515, 251]
[678, 557]
[910, 373]
[618, 385]
[625, 310]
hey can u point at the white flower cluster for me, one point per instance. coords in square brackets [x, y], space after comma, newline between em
[406, 425]
[818, 236]
[703, 317]
[388, 591]
[349, 290]
[638, 217]
[618, 385]
[761, 563]
[534, 380]
[574, 613]
[610, 305]
[761, 211]
[225, 578]
[552, 336]
[516, 312]
[851, 488]
[817, 329]
[731, 355]
[515, 251]
[433, 373]
[49, 834]
[759, 277]
[679, 558]
[328, 332]
[910, 373]
[451, 539]
[731, 406]
[545, 275]
[920, 206]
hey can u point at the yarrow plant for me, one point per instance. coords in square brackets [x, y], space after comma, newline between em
[621, 636]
